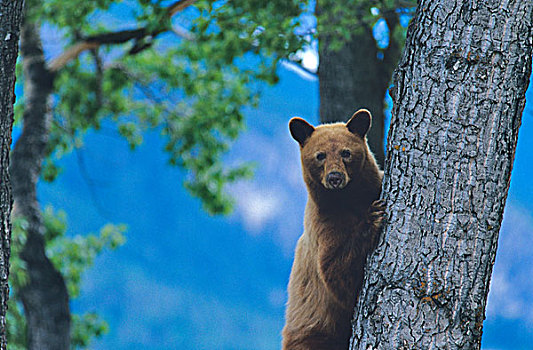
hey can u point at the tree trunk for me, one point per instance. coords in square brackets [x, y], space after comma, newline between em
[9, 35]
[458, 99]
[45, 297]
[354, 77]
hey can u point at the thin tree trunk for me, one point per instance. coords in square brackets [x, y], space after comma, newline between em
[9, 37]
[458, 99]
[45, 297]
[354, 77]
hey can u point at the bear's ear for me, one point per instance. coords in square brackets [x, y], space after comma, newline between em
[360, 122]
[300, 130]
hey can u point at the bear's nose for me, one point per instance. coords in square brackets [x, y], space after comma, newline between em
[335, 179]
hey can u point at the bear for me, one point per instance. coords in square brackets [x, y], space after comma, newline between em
[342, 223]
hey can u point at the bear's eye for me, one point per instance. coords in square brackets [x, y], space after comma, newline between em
[345, 153]
[320, 156]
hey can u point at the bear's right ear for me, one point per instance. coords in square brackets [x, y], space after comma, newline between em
[360, 122]
[300, 130]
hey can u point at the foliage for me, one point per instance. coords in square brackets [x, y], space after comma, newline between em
[192, 91]
[71, 256]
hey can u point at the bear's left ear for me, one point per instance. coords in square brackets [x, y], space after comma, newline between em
[360, 122]
[300, 130]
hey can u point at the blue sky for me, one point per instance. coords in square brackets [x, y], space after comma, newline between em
[186, 280]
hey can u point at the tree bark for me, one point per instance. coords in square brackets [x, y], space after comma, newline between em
[45, 296]
[9, 35]
[354, 77]
[459, 93]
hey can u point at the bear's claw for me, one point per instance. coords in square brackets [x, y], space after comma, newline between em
[376, 213]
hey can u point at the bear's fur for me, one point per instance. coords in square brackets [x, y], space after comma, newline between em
[341, 226]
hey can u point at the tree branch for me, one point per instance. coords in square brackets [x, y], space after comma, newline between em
[112, 38]
[179, 6]
[182, 32]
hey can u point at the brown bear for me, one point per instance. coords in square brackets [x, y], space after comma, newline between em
[341, 226]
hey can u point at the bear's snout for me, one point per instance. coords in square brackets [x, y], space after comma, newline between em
[335, 180]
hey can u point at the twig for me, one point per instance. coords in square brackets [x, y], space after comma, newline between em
[111, 38]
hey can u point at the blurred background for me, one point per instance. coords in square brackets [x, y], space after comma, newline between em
[171, 189]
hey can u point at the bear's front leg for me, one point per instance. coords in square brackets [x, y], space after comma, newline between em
[341, 270]
[342, 262]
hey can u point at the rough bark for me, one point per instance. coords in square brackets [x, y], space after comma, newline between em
[45, 297]
[354, 77]
[9, 34]
[458, 99]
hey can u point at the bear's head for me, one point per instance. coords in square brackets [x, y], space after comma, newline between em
[334, 156]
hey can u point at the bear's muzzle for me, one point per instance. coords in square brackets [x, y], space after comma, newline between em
[335, 180]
